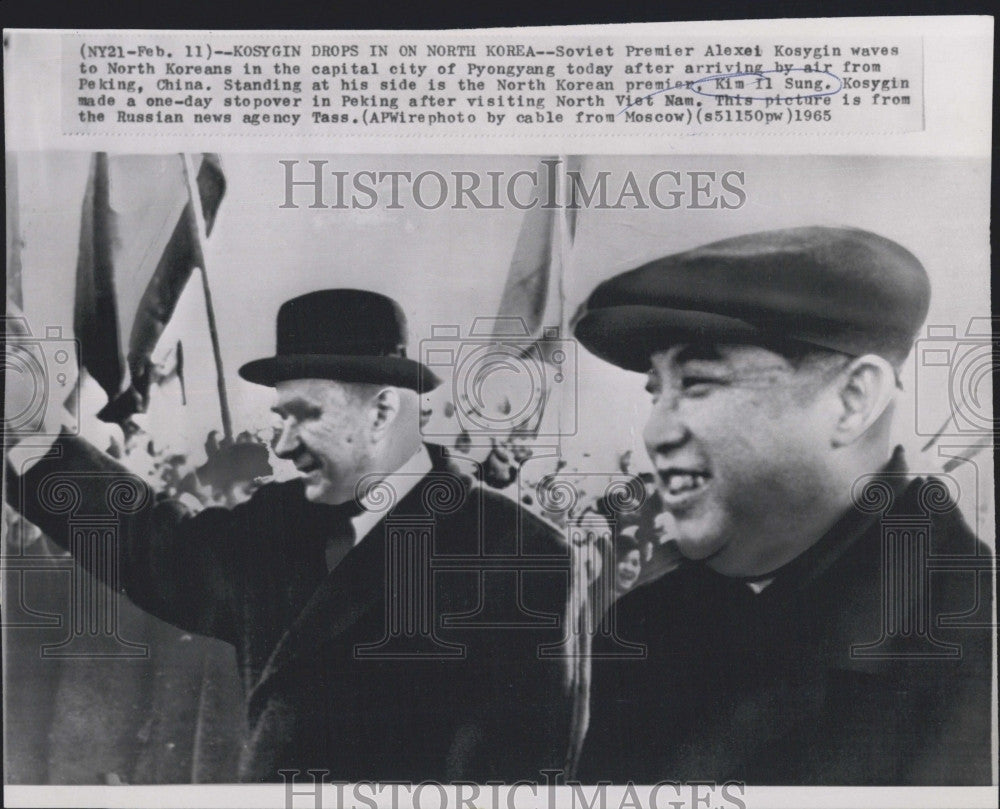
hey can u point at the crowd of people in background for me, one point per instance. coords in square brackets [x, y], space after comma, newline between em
[631, 543]
[629, 536]
[232, 471]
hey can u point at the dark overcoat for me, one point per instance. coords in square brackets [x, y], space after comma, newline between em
[432, 651]
[866, 661]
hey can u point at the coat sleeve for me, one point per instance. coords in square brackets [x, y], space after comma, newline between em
[185, 570]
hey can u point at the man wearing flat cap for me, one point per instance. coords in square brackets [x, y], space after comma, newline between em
[362, 654]
[800, 643]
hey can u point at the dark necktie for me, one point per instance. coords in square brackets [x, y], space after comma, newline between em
[341, 535]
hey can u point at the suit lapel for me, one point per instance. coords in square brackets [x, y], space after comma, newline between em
[341, 599]
[347, 594]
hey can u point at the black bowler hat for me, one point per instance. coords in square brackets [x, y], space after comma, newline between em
[839, 288]
[349, 335]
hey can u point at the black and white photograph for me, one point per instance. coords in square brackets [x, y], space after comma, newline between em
[599, 474]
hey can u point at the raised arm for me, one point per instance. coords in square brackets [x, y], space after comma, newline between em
[183, 569]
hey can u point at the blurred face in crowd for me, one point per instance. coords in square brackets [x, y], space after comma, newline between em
[325, 432]
[627, 570]
[736, 437]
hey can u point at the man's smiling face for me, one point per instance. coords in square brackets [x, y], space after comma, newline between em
[736, 435]
[325, 431]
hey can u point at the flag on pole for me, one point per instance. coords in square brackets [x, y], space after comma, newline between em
[534, 291]
[525, 292]
[505, 384]
[136, 254]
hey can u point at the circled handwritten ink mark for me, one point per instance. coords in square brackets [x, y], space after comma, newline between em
[762, 83]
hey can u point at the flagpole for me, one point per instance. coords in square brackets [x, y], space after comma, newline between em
[179, 357]
[563, 231]
[14, 242]
[197, 225]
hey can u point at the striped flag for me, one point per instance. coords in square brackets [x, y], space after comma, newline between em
[137, 251]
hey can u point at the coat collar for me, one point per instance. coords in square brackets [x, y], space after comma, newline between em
[841, 572]
[399, 483]
[856, 523]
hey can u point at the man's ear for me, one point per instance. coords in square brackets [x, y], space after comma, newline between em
[386, 407]
[866, 388]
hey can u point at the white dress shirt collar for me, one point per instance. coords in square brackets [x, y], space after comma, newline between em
[402, 482]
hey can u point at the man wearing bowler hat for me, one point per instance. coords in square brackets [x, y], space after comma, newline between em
[805, 641]
[378, 636]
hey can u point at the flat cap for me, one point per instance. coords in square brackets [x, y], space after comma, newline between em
[839, 288]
